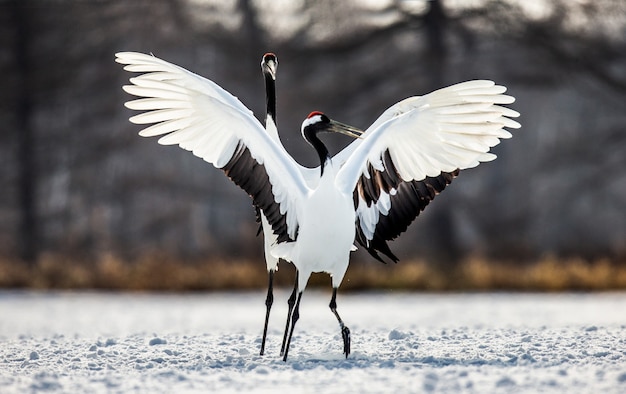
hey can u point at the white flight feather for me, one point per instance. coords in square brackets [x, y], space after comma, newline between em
[210, 122]
[448, 129]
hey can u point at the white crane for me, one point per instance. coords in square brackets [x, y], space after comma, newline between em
[269, 67]
[410, 153]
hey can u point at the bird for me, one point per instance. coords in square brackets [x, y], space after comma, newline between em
[269, 67]
[389, 173]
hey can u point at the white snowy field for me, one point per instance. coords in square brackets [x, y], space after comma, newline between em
[402, 342]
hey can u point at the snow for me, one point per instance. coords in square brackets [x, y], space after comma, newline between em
[402, 342]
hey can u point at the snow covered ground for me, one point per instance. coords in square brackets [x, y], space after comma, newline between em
[402, 342]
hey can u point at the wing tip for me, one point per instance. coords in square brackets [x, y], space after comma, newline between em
[383, 248]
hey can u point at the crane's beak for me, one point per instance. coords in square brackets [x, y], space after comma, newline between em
[270, 65]
[338, 127]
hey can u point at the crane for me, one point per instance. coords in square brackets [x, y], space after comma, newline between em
[269, 67]
[389, 173]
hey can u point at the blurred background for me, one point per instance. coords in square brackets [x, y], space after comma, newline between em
[86, 203]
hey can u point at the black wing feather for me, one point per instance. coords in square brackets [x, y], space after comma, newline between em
[409, 199]
[252, 177]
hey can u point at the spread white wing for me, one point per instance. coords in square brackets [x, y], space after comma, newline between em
[198, 115]
[414, 150]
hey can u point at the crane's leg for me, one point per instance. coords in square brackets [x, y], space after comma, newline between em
[345, 331]
[294, 318]
[291, 302]
[268, 304]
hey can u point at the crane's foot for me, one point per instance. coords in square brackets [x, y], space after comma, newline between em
[345, 333]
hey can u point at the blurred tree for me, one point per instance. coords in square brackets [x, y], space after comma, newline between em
[26, 154]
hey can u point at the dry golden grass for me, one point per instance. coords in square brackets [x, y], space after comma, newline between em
[477, 274]
[160, 273]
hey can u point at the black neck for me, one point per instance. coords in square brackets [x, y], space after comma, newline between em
[320, 148]
[270, 96]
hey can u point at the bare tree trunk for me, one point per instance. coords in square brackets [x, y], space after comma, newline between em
[434, 23]
[444, 245]
[255, 36]
[28, 233]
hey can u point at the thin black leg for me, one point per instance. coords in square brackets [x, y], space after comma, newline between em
[345, 331]
[268, 304]
[291, 302]
[294, 318]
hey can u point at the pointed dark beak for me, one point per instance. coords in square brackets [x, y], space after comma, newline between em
[270, 65]
[338, 127]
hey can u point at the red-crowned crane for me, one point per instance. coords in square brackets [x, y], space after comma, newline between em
[269, 66]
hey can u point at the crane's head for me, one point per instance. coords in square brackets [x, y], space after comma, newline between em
[318, 122]
[269, 65]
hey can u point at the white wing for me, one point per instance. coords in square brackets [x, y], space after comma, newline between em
[199, 116]
[415, 149]
[392, 112]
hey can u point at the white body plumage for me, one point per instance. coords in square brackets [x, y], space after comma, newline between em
[326, 232]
